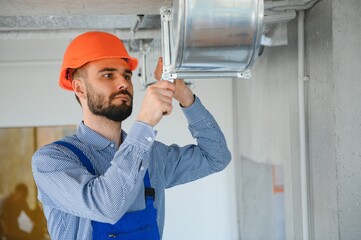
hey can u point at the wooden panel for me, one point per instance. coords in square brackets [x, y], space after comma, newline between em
[17, 148]
[81, 7]
[45, 135]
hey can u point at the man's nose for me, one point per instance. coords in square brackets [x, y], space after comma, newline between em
[122, 83]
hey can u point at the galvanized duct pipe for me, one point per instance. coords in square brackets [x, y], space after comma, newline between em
[210, 39]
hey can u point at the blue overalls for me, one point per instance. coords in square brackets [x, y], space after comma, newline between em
[138, 225]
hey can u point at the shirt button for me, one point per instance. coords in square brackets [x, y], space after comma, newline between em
[149, 139]
[141, 168]
[112, 145]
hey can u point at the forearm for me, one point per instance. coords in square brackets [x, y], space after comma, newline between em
[209, 136]
[210, 155]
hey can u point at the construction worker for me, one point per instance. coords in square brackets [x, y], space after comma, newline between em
[103, 183]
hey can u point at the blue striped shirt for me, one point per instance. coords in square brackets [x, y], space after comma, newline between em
[72, 197]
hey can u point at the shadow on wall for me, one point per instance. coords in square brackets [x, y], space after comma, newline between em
[17, 220]
[21, 214]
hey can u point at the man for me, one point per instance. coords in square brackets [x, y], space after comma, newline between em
[99, 178]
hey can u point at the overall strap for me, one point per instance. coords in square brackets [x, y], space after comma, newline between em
[149, 191]
[84, 159]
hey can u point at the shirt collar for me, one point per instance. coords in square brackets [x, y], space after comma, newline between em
[94, 139]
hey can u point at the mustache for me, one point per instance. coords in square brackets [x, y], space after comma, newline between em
[123, 91]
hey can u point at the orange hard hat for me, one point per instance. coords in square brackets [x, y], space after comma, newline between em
[91, 46]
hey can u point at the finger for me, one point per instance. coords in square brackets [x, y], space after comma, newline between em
[159, 69]
[162, 99]
[167, 109]
[165, 97]
[162, 89]
[179, 80]
[165, 85]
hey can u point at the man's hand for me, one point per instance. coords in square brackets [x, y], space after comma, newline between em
[182, 93]
[157, 102]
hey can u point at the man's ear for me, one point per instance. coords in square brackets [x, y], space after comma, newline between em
[79, 87]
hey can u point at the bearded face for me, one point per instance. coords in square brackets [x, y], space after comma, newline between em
[101, 105]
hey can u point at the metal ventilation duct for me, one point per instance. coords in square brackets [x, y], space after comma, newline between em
[210, 38]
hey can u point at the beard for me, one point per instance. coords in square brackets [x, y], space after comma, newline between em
[100, 106]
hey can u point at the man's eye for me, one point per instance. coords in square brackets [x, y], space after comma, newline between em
[128, 77]
[108, 75]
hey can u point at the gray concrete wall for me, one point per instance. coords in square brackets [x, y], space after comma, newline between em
[267, 115]
[321, 121]
[347, 78]
[334, 57]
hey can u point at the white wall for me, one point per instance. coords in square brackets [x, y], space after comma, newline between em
[30, 96]
[205, 209]
[29, 92]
